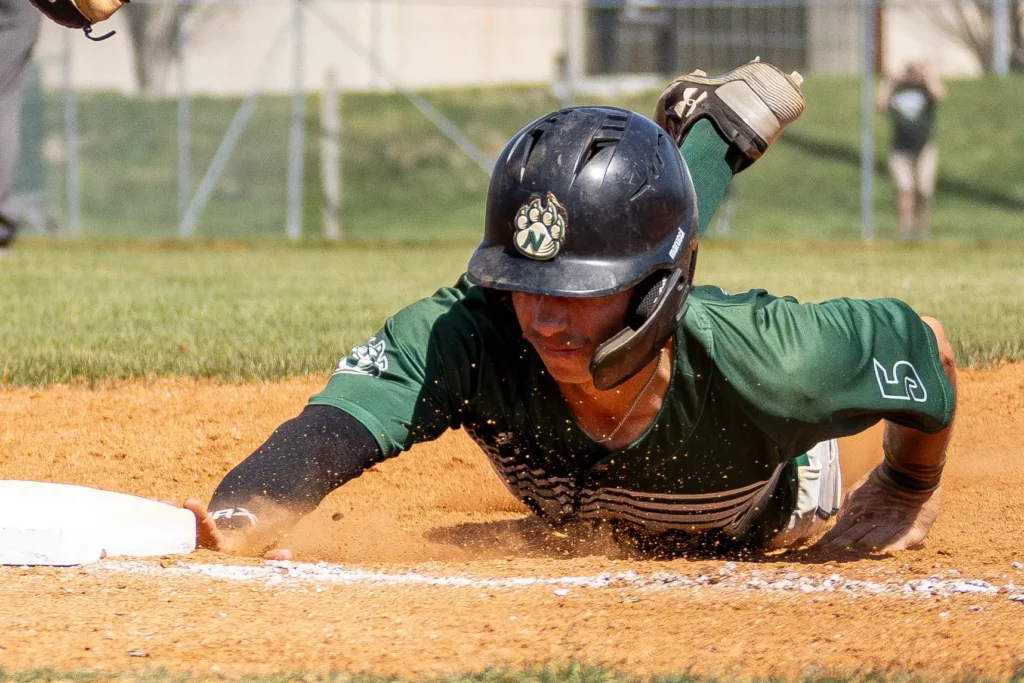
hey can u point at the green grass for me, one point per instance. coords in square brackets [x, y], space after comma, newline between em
[810, 182]
[97, 311]
[404, 181]
[566, 674]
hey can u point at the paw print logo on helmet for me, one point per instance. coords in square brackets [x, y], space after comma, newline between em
[540, 227]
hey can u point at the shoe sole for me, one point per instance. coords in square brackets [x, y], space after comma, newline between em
[759, 96]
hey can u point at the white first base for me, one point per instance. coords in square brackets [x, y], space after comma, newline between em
[62, 525]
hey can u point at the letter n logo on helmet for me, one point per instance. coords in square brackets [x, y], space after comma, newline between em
[540, 227]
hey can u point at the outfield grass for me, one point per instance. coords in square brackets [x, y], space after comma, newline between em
[97, 311]
[404, 181]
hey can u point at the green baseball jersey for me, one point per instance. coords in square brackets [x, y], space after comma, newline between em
[757, 381]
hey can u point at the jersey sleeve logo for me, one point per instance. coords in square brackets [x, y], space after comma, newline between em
[904, 384]
[540, 228]
[369, 360]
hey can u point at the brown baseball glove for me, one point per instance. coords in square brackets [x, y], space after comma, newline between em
[79, 13]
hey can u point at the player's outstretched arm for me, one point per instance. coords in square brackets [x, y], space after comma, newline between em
[385, 396]
[807, 373]
[283, 480]
[895, 505]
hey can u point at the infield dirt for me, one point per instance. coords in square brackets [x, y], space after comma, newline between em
[440, 510]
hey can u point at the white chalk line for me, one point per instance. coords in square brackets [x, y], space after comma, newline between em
[727, 579]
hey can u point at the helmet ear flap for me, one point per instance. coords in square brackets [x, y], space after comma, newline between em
[632, 349]
[659, 304]
[646, 296]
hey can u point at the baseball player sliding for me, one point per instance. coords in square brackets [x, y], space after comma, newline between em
[604, 384]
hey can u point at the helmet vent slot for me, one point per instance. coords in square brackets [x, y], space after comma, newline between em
[616, 122]
[533, 137]
[653, 172]
[608, 135]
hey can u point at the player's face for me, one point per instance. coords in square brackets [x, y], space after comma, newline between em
[567, 331]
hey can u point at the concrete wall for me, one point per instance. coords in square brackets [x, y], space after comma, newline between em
[835, 39]
[438, 43]
[423, 44]
[911, 31]
[914, 32]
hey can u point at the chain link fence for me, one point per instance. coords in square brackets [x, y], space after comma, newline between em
[371, 120]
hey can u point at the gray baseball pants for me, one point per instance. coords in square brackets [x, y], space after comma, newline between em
[19, 26]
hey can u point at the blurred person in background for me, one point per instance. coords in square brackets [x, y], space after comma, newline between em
[911, 101]
[19, 26]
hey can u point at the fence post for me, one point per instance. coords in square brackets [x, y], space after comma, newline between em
[1001, 36]
[71, 137]
[184, 137]
[567, 63]
[867, 125]
[375, 47]
[449, 129]
[330, 156]
[296, 142]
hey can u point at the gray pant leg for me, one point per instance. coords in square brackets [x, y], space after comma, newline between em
[19, 26]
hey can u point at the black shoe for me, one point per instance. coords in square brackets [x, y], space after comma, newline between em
[750, 106]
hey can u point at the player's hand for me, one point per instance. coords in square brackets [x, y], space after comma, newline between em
[210, 537]
[882, 516]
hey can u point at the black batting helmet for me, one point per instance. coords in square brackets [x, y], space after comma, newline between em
[590, 201]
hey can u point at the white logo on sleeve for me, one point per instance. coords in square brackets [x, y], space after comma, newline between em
[369, 359]
[904, 384]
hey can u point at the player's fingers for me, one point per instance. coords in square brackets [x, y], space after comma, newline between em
[830, 535]
[845, 522]
[279, 554]
[838, 530]
[849, 538]
[207, 534]
[883, 538]
[196, 507]
[911, 538]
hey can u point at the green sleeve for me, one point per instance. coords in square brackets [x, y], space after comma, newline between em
[706, 155]
[806, 373]
[405, 383]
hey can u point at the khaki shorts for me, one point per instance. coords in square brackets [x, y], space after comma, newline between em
[915, 172]
[820, 492]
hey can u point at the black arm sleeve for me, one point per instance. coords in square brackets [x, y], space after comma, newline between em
[303, 460]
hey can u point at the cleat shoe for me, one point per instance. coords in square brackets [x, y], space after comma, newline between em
[750, 106]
